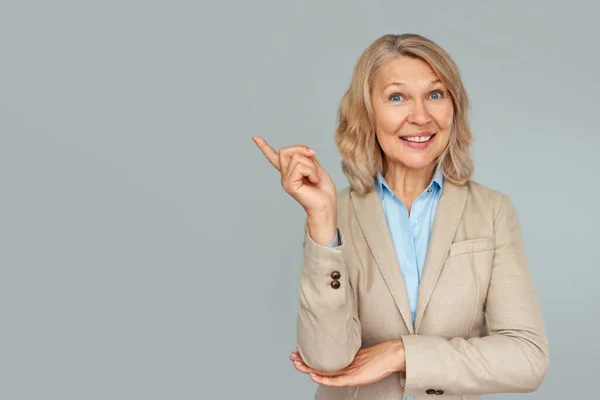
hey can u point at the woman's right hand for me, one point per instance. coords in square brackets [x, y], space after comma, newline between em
[303, 178]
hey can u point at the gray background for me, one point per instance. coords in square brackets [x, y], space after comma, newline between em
[148, 249]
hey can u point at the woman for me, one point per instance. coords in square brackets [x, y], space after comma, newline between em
[415, 280]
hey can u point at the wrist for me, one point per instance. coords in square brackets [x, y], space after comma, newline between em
[322, 228]
[322, 213]
[397, 359]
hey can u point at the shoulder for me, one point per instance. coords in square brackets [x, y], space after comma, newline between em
[343, 195]
[479, 190]
[486, 199]
[343, 198]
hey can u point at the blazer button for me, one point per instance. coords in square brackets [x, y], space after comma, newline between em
[430, 391]
[335, 284]
[335, 275]
[439, 392]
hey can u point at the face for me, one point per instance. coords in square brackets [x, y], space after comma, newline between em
[413, 113]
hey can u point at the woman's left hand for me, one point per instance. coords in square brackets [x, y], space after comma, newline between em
[369, 365]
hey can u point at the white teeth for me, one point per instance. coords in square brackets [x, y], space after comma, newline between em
[417, 139]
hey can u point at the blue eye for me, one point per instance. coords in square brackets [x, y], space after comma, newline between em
[437, 95]
[395, 97]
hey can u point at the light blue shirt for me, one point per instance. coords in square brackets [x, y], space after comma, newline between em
[410, 233]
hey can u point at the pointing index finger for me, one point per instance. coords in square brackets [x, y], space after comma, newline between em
[268, 151]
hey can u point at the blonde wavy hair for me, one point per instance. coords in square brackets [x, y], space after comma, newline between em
[362, 156]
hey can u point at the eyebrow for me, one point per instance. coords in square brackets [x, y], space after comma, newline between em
[432, 83]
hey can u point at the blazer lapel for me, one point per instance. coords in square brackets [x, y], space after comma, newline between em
[371, 219]
[447, 217]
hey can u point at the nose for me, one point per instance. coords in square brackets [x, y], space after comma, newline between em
[418, 114]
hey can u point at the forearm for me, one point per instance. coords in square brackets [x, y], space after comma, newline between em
[328, 327]
[509, 362]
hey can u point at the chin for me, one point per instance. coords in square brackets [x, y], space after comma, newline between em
[416, 163]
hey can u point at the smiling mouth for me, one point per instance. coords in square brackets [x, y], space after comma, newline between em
[418, 139]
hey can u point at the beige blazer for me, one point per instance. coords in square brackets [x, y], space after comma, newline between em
[478, 325]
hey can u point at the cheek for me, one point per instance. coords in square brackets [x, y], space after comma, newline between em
[444, 118]
[389, 121]
[449, 120]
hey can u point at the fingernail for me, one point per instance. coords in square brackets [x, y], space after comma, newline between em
[297, 363]
[311, 151]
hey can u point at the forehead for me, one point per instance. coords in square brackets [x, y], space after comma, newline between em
[406, 70]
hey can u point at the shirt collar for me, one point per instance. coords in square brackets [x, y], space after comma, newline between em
[437, 182]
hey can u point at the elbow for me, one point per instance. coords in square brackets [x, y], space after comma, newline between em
[533, 383]
[328, 351]
[329, 365]
[536, 378]
[536, 373]
[326, 361]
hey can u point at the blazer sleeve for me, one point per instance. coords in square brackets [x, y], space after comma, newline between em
[513, 357]
[328, 328]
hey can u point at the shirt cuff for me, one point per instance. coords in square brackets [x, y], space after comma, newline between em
[336, 240]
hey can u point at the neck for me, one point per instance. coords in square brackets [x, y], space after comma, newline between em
[408, 183]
